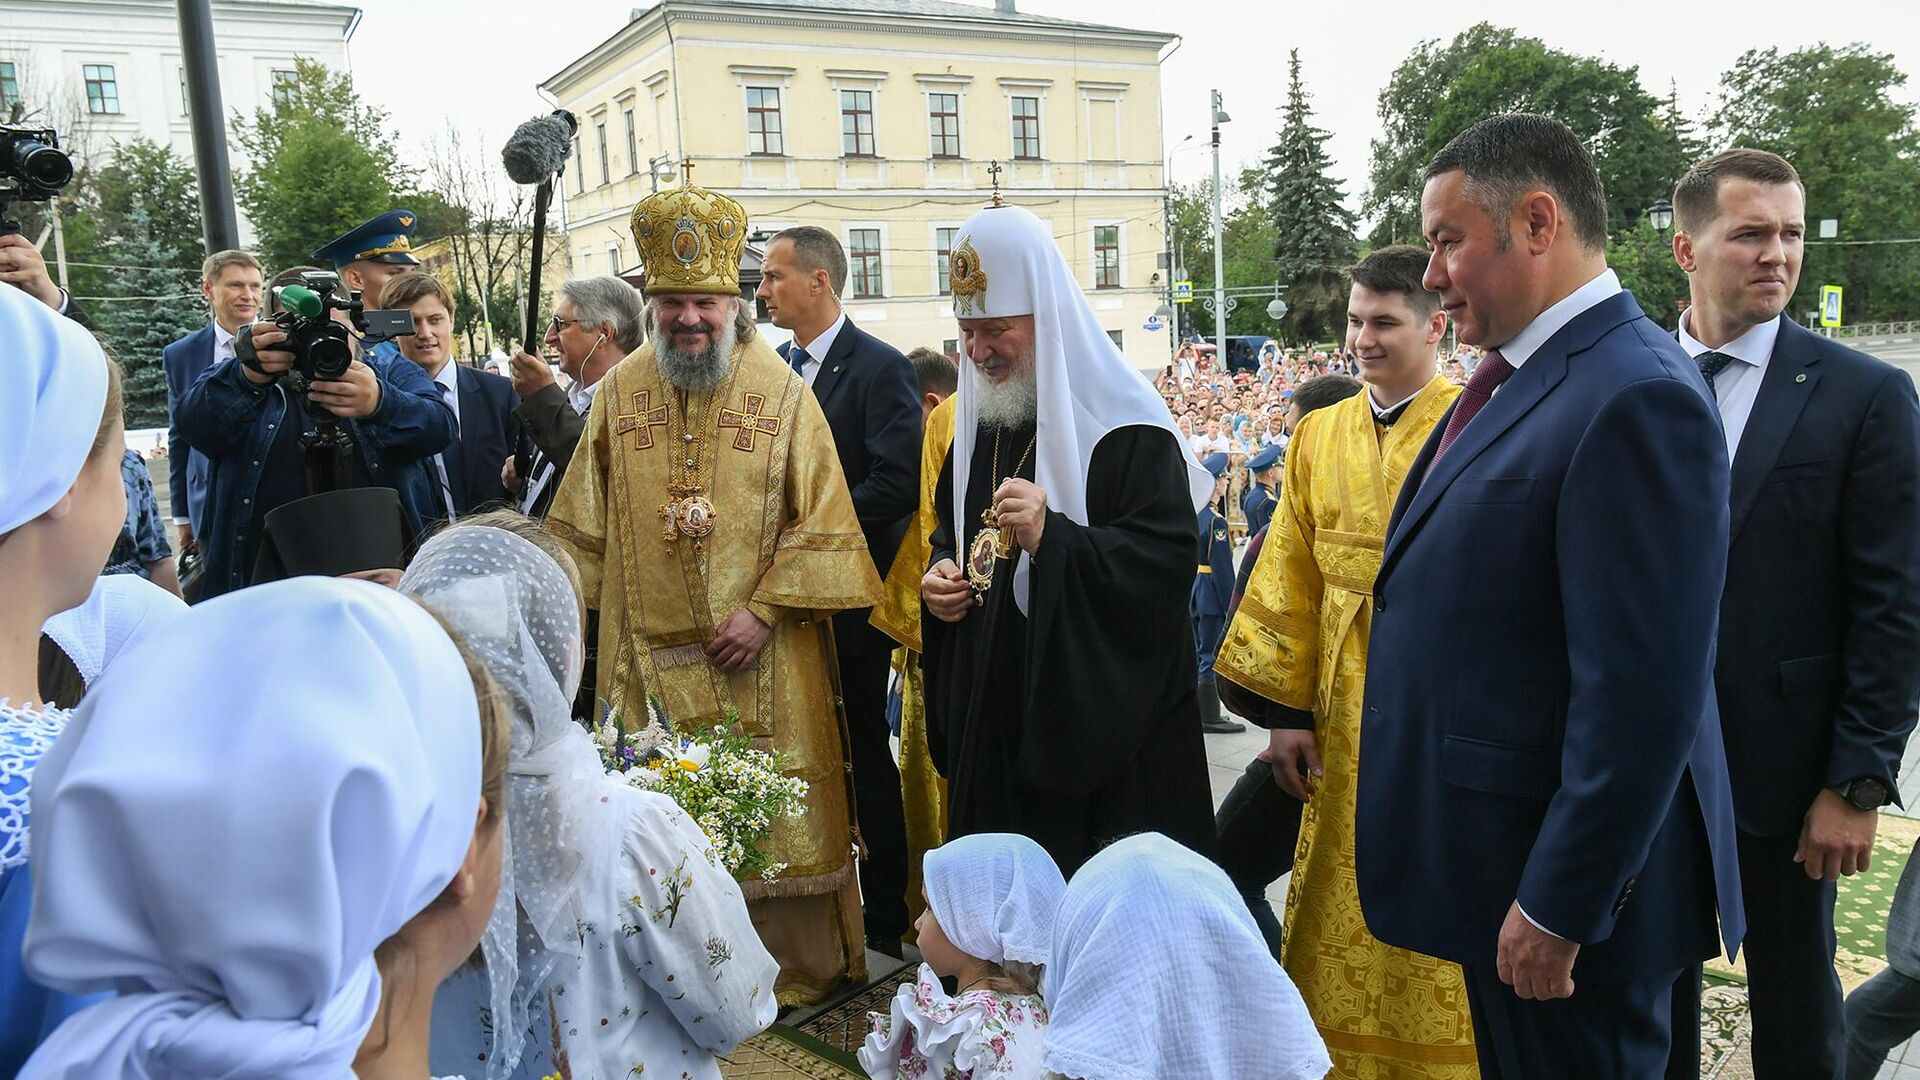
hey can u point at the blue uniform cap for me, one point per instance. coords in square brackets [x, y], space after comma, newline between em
[387, 238]
[1265, 459]
[1215, 464]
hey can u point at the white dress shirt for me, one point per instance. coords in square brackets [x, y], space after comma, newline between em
[580, 396]
[1738, 385]
[1551, 321]
[819, 347]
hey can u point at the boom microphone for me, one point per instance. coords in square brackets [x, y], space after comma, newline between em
[539, 147]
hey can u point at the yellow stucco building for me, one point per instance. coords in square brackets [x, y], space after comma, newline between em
[882, 120]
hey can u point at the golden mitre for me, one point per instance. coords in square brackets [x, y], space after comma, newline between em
[690, 241]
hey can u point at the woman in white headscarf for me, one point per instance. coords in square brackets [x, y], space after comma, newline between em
[239, 815]
[1158, 971]
[61, 505]
[991, 901]
[617, 940]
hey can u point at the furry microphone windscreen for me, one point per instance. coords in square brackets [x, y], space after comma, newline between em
[538, 148]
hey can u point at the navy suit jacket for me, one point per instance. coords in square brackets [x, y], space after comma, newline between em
[871, 400]
[187, 469]
[1539, 715]
[487, 434]
[1819, 665]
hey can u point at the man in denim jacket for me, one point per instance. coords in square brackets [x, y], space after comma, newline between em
[249, 424]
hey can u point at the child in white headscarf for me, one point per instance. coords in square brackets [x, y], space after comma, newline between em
[61, 505]
[270, 833]
[1158, 971]
[618, 946]
[991, 900]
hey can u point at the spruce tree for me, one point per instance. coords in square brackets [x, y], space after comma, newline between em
[1314, 229]
[148, 306]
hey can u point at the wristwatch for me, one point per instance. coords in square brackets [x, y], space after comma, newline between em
[1865, 793]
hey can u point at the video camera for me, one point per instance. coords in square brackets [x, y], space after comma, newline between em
[33, 168]
[322, 348]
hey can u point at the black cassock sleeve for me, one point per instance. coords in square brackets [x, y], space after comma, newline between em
[1111, 654]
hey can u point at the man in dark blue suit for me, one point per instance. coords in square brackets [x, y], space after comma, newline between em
[1818, 670]
[233, 283]
[1544, 796]
[466, 475]
[871, 399]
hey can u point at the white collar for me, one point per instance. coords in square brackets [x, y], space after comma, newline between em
[1753, 347]
[221, 339]
[1551, 321]
[449, 376]
[819, 347]
[582, 395]
[1383, 410]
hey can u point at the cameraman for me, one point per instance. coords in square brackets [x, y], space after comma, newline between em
[23, 267]
[250, 424]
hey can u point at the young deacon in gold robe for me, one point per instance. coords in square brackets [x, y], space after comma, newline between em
[1300, 641]
[923, 794]
[715, 535]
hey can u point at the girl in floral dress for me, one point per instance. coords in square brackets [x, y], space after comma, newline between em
[991, 899]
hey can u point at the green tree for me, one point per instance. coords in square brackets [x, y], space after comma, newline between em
[1489, 70]
[147, 307]
[1643, 257]
[1248, 235]
[1313, 229]
[324, 161]
[1835, 112]
[140, 178]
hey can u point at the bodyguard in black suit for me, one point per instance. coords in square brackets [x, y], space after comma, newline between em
[1818, 672]
[868, 392]
[466, 475]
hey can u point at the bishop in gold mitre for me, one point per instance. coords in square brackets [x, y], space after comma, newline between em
[714, 532]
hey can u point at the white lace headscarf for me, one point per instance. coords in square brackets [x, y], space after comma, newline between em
[1158, 971]
[519, 612]
[995, 896]
[239, 813]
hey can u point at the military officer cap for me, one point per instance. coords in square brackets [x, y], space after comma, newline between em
[387, 238]
[1215, 464]
[1265, 459]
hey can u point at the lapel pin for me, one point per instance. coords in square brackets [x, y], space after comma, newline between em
[1802, 377]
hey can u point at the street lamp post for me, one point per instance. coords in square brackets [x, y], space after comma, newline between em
[1219, 249]
[1660, 216]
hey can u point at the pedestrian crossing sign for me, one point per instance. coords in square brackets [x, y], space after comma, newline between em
[1829, 305]
[1183, 292]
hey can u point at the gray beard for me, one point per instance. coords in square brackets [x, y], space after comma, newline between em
[1011, 404]
[695, 371]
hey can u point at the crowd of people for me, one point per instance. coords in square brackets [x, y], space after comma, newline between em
[346, 814]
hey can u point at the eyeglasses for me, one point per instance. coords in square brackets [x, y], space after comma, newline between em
[557, 323]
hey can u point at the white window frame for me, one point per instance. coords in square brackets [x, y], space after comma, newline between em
[886, 262]
[1026, 88]
[752, 77]
[944, 84]
[1119, 254]
[869, 82]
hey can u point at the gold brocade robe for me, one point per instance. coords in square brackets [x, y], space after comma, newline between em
[785, 545]
[1300, 638]
[923, 793]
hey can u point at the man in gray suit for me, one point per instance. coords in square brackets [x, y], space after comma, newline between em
[1884, 1011]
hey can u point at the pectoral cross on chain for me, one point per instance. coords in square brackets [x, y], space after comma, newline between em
[642, 420]
[750, 423]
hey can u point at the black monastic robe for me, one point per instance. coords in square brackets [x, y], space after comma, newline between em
[1075, 724]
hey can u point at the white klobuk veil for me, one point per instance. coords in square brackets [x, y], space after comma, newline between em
[520, 614]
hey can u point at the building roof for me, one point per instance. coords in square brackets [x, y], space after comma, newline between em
[927, 16]
[933, 9]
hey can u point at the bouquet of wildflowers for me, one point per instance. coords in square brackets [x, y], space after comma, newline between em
[732, 790]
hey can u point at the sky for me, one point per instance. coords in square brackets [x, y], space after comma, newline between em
[489, 55]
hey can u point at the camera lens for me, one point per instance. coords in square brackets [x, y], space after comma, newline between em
[331, 353]
[40, 164]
